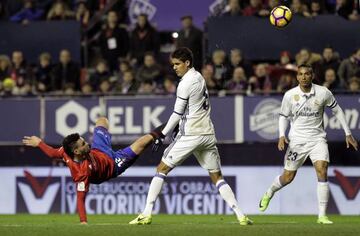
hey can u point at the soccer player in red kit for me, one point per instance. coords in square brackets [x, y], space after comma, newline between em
[96, 163]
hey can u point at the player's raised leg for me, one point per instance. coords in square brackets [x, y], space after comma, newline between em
[279, 182]
[322, 191]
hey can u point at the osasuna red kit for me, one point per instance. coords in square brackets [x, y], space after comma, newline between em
[101, 164]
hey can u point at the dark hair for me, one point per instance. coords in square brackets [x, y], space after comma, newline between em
[183, 54]
[69, 144]
[306, 66]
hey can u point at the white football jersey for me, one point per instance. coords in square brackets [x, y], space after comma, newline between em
[305, 112]
[196, 118]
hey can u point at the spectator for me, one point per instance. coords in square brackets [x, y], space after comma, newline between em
[329, 60]
[43, 73]
[146, 88]
[191, 37]
[29, 12]
[86, 89]
[298, 8]
[5, 67]
[344, 8]
[21, 73]
[60, 11]
[144, 38]
[124, 65]
[208, 74]
[128, 85]
[150, 70]
[287, 81]
[261, 81]
[349, 67]
[233, 8]
[114, 41]
[255, 8]
[105, 87]
[238, 83]
[101, 73]
[330, 80]
[305, 56]
[316, 8]
[237, 60]
[169, 85]
[354, 84]
[219, 67]
[66, 74]
[82, 13]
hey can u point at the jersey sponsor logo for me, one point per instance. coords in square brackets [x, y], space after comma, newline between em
[264, 118]
[344, 189]
[37, 195]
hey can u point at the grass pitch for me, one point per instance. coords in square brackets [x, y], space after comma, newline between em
[171, 225]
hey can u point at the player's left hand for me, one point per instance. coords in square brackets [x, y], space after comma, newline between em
[157, 143]
[83, 223]
[350, 140]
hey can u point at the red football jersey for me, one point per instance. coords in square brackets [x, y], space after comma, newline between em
[97, 168]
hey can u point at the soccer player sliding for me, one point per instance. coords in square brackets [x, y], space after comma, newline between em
[93, 164]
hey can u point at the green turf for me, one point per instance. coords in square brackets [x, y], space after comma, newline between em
[171, 225]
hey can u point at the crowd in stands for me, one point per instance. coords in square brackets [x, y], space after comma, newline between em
[129, 60]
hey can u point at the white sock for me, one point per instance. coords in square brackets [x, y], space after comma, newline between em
[323, 197]
[154, 191]
[275, 186]
[228, 195]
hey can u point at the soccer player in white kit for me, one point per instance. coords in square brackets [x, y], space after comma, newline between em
[196, 136]
[304, 106]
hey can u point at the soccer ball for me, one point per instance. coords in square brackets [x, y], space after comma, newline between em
[280, 16]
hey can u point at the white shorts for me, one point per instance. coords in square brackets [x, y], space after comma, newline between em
[297, 153]
[203, 147]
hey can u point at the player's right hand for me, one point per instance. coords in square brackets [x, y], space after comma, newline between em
[83, 223]
[281, 144]
[32, 141]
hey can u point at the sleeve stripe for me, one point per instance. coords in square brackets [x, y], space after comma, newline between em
[183, 98]
[283, 115]
[178, 113]
[334, 104]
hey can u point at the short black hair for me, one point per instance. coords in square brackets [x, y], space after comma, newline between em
[306, 66]
[69, 144]
[183, 54]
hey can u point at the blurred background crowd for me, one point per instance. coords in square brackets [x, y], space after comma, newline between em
[127, 59]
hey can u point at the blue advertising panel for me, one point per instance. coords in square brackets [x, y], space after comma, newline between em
[19, 117]
[261, 116]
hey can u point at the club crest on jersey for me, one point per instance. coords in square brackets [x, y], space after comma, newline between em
[296, 97]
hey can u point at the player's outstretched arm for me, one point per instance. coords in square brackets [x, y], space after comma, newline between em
[34, 141]
[350, 140]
